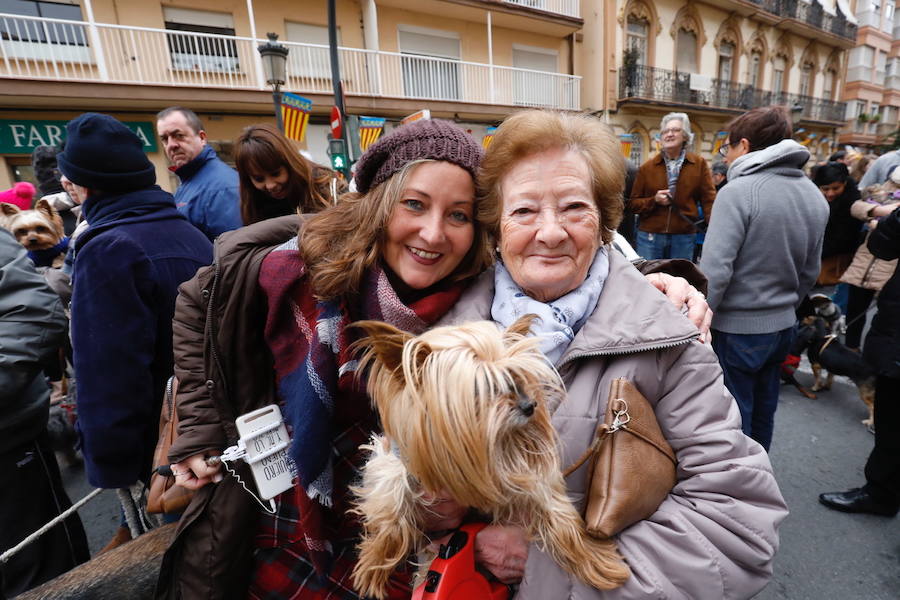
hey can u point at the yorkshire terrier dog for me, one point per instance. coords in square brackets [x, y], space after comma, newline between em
[40, 230]
[465, 411]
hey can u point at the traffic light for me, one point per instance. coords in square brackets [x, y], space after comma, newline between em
[337, 150]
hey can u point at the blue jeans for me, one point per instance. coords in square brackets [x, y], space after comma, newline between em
[666, 245]
[751, 364]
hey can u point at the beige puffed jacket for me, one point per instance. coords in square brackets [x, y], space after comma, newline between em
[716, 534]
[865, 270]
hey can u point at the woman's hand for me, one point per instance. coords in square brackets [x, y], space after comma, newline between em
[502, 550]
[683, 295]
[193, 472]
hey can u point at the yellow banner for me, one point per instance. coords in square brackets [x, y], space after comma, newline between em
[488, 137]
[370, 129]
[295, 114]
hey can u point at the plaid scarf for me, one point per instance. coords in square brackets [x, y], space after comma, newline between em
[673, 170]
[325, 404]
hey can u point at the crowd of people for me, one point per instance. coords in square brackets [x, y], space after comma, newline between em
[246, 283]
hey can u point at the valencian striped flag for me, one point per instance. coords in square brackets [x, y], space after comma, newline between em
[370, 129]
[627, 141]
[295, 113]
[488, 137]
[718, 140]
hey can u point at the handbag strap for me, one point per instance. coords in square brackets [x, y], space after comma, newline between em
[602, 433]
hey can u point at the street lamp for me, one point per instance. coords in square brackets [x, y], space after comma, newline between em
[274, 61]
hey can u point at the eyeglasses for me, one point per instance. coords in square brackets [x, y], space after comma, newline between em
[671, 130]
[723, 149]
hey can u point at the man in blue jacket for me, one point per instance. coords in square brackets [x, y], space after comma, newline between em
[208, 194]
[128, 266]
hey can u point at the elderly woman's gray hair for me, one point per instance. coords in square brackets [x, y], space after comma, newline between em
[685, 125]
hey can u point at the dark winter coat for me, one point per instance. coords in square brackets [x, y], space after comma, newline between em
[208, 194]
[842, 233]
[128, 266]
[224, 369]
[32, 328]
[882, 345]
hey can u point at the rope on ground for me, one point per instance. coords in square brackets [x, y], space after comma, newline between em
[53, 523]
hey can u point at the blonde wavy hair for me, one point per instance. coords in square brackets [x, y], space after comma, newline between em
[341, 242]
[532, 131]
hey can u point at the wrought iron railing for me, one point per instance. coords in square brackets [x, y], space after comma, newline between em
[662, 85]
[811, 13]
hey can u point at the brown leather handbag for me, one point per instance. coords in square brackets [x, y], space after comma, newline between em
[164, 496]
[632, 467]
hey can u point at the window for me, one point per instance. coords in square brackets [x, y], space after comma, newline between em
[305, 61]
[828, 85]
[888, 23]
[880, 67]
[637, 148]
[874, 109]
[201, 52]
[530, 86]
[636, 37]
[753, 74]
[726, 60]
[686, 51]
[876, 6]
[779, 66]
[806, 79]
[37, 39]
[430, 63]
[859, 66]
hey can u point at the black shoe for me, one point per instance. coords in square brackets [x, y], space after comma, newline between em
[857, 500]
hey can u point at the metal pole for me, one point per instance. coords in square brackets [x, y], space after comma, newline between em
[276, 100]
[336, 67]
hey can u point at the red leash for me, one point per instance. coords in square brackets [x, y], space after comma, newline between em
[453, 576]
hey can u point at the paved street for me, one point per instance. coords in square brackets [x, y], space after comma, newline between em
[819, 446]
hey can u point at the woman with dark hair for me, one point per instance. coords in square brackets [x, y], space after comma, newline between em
[276, 180]
[842, 233]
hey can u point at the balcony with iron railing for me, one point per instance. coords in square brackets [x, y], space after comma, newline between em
[639, 83]
[74, 51]
[810, 13]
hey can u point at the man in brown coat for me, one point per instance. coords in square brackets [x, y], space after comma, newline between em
[668, 192]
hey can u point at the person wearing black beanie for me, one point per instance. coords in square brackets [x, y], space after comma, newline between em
[103, 154]
[129, 263]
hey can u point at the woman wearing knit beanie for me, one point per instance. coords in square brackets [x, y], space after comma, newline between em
[400, 250]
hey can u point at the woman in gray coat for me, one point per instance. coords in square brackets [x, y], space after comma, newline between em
[558, 181]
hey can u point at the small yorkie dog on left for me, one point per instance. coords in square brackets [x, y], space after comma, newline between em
[39, 230]
[465, 410]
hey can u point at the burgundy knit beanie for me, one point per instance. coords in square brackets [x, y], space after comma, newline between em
[423, 139]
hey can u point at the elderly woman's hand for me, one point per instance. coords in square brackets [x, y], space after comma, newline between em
[682, 294]
[502, 550]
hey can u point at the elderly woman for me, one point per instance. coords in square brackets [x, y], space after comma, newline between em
[554, 182]
[267, 323]
[672, 192]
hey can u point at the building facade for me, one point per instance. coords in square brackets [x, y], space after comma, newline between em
[873, 76]
[473, 61]
[714, 59]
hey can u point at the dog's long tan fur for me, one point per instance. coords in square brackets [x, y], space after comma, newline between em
[453, 403]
